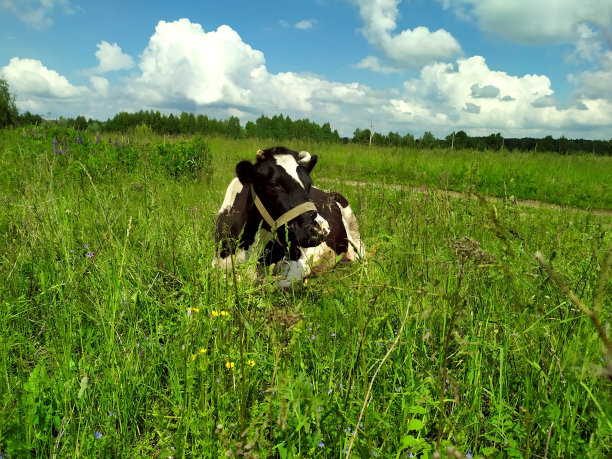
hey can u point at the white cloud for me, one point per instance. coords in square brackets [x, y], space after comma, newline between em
[111, 58]
[450, 97]
[306, 24]
[37, 13]
[528, 21]
[31, 77]
[186, 68]
[373, 63]
[408, 48]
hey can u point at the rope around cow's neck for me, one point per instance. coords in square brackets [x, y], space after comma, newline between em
[286, 217]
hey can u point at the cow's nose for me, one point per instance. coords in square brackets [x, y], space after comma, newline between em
[322, 226]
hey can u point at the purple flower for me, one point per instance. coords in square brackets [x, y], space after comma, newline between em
[330, 390]
[84, 246]
[333, 335]
[321, 444]
[98, 139]
[90, 254]
[468, 454]
[56, 148]
[410, 454]
[98, 435]
[80, 139]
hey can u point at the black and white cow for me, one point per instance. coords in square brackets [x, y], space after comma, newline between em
[271, 211]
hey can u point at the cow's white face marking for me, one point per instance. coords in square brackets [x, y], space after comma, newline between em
[290, 165]
[233, 189]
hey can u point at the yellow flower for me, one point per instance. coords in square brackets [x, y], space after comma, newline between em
[203, 351]
[193, 356]
[251, 362]
[224, 313]
[215, 314]
[229, 365]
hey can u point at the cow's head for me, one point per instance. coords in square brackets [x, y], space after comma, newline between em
[281, 179]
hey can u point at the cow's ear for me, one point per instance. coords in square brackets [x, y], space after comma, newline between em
[311, 164]
[245, 171]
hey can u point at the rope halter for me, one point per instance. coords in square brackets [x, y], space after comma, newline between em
[286, 217]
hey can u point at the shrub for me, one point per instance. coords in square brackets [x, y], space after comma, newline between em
[185, 159]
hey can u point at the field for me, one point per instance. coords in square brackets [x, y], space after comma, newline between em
[118, 339]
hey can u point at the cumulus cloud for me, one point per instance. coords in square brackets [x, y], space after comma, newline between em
[187, 68]
[31, 77]
[36, 13]
[443, 96]
[111, 58]
[526, 21]
[408, 48]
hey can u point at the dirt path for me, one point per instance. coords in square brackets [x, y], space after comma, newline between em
[456, 194]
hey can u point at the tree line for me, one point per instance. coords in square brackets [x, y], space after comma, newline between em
[281, 128]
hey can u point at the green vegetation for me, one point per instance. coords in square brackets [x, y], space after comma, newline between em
[8, 108]
[120, 340]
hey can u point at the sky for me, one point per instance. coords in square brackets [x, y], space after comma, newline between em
[516, 67]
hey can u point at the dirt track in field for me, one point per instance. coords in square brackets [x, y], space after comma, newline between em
[456, 194]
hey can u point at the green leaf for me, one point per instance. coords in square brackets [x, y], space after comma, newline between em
[415, 424]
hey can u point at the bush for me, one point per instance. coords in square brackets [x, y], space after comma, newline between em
[185, 159]
[8, 109]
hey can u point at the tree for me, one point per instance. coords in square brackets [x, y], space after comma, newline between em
[8, 109]
[428, 140]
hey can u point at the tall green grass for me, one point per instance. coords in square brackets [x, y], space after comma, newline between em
[120, 340]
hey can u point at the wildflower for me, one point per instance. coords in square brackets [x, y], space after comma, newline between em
[468, 454]
[80, 139]
[321, 444]
[410, 454]
[191, 310]
[194, 356]
[251, 363]
[330, 390]
[229, 365]
[333, 335]
[85, 246]
[220, 313]
[90, 254]
[215, 314]
[397, 389]
[98, 139]
[203, 351]
[56, 148]
[111, 414]
[98, 435]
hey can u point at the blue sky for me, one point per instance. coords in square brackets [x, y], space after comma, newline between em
[521, 67]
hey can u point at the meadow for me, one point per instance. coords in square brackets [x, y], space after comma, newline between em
[118, 339]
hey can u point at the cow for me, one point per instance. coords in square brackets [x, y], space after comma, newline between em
[272, 212]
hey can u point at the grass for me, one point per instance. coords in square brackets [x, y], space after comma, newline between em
[450, 337]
